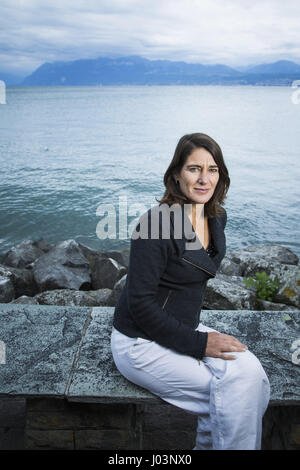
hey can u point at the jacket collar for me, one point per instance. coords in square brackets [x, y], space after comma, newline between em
[193, 249]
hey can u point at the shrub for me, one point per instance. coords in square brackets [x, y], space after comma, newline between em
[265, 287]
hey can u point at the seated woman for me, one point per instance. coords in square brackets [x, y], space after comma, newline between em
[157, 340]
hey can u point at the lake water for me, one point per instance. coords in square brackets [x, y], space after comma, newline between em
[65, 151]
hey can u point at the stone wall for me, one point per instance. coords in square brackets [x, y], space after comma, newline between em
[59, 424]
[64, 353]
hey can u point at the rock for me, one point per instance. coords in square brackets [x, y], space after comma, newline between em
[229, 267]
[106, 267]
[62, 267]
[7, 292]
[93, 256]
[228, 293]
[116, 292]
[22, 280]
[289, 284]
[261, 258]
[74, 297]
[122, 257]
[106, 273]
[24, 253]
[24, 299]
[266, 305]
[63, 272]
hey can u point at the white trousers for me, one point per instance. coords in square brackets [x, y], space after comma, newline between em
[229, 397]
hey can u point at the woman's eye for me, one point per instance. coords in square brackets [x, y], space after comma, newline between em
[213, 170]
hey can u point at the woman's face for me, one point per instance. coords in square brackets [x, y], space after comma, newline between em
[199, 176]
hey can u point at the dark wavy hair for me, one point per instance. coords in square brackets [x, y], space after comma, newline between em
[186, 145]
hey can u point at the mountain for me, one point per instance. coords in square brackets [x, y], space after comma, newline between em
[136, 70]
[133, 70]
[279, 67]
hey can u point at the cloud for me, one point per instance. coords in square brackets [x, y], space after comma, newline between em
[205, 31]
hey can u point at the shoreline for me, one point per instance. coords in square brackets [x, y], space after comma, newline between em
[70, 273]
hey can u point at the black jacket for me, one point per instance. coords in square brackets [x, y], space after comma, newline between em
[167, 275]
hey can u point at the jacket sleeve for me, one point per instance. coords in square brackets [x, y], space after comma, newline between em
[147, 262]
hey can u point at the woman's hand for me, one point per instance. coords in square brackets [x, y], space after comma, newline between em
[218, 343]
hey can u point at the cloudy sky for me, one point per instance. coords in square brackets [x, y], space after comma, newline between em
[231, 32]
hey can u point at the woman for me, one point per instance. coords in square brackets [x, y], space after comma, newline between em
[157, 341]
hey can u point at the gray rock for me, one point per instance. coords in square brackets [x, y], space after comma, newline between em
[266, 305]
[229, 267]
[228, 293]
[74, 297]
[7, 292]
[289, 284]
[122, 257]
[115, 293]
[106, 267]
[24, 299]
[106, 273]
[62, 267]
[261, 258]
[24, 253]
[92, 255]
[21, 278]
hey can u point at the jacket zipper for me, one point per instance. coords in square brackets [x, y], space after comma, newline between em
[199, 267]
[166, 299]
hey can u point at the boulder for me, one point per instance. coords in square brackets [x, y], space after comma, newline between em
[261, 258]
[289, 284]
[266, 305]
[228, 293]
[22, 280]
[24, 299]
[93, 298]
[24, 253]
[229, 267]
[7, 292]
[106, 267]
[116, 292]
[63, 267]
[122, 257]
[106, 273]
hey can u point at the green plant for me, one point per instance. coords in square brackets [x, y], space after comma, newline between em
[265, 287]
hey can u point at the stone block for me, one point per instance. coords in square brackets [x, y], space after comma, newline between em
[271, 338]
[49, 440]
[41, 344]
[82, 416]
[106, 439]
[12, 412]
[95, 376]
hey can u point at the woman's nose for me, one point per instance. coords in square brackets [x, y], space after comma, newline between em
[203, 177]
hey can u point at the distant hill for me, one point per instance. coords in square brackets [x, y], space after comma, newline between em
[279, 67]
[136, 70]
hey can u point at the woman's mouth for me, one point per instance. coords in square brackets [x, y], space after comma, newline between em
[202, 191]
